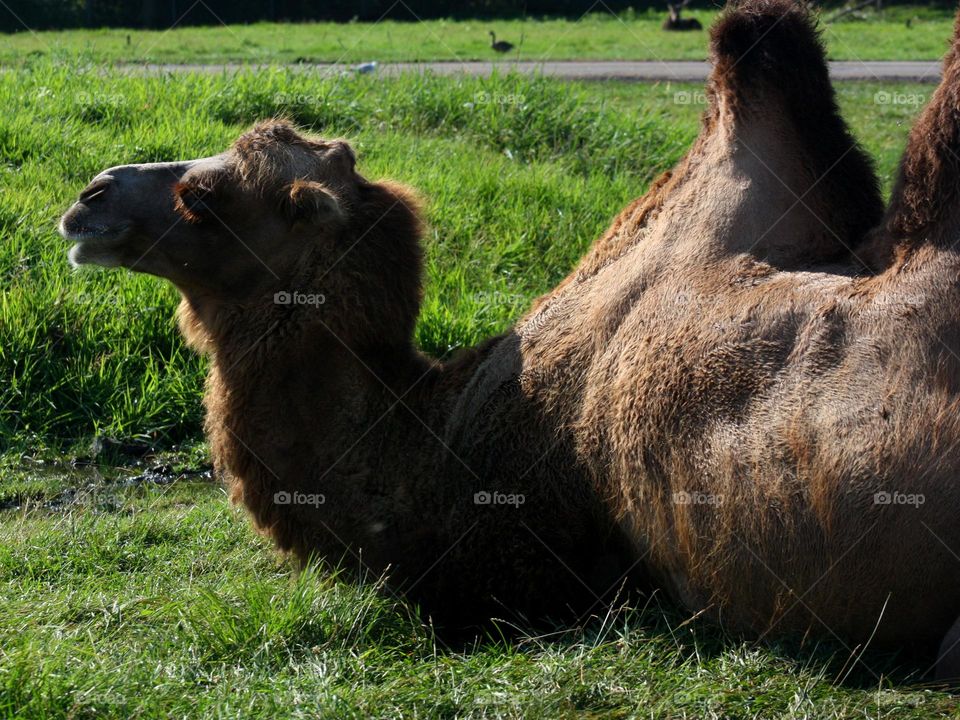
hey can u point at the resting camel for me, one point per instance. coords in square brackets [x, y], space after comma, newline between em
[746, 394]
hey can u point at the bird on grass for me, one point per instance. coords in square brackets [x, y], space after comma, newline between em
[502, 46]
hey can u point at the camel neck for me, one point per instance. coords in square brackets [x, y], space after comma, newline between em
[295, 409]
[285, 364]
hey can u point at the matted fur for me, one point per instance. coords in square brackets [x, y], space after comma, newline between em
[770, 75]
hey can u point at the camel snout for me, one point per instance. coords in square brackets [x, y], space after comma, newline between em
[96, 223]
[78, 222]
[115, 202]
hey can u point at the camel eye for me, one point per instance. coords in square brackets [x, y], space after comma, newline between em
[192, 201]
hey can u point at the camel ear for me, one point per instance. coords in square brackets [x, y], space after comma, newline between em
[310, 202]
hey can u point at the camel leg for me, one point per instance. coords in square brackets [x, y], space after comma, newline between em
[948, 656]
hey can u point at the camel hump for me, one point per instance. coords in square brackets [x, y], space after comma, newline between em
[768, 43]
[926, 193]
[770, 71]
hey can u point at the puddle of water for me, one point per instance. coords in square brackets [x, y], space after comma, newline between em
[91, 485]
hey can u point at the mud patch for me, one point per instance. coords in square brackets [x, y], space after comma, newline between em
[89, 485]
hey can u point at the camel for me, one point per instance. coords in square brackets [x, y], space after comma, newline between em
[746, 394]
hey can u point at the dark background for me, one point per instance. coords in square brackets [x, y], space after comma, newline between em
[49, 14]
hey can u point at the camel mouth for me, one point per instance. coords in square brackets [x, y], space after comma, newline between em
[94, 245]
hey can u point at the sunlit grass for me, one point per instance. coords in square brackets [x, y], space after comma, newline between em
[165, 604]
[897, 33]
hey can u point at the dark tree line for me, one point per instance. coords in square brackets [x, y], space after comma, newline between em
[47, 14]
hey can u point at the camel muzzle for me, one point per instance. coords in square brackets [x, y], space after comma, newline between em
[117, 201]
[93, 232]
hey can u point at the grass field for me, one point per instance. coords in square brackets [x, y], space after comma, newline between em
[123, 594]
[598, 35]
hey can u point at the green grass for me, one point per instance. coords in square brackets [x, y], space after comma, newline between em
[598, 35]
[144, 601]
[121, 597]
[148, 601]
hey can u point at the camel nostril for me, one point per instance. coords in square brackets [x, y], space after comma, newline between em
[95, 189]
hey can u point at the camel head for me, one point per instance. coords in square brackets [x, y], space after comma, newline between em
[276, 215]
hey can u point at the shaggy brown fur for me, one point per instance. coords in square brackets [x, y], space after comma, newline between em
[706, 400]
[926, 194]
[773, 122]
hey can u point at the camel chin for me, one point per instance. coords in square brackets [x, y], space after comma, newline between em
[95, 248]
[84, 255]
